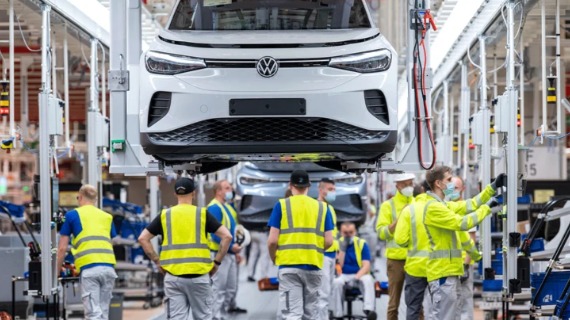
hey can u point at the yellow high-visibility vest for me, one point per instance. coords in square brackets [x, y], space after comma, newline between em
[301, 238]
[225, 222]
[184, 243]
[335, 233]
[93, 243]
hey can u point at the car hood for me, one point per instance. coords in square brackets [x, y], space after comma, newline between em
[265, 37]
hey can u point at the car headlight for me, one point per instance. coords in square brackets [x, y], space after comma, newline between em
[252, 180]
[170, 64]
[367, 62]
[349, 180]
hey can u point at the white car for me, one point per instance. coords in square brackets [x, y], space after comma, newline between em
[235, 80]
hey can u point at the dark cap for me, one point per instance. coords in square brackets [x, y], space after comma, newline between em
[327, 180]
[300, 178]
[184, 186]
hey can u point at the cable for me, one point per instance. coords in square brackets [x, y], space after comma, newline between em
[24, 38]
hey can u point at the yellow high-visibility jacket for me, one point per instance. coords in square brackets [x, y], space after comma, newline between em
[389, 212]
[441, 223]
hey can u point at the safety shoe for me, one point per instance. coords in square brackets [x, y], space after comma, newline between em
[240, 310]
[370, 315]
[250, 279]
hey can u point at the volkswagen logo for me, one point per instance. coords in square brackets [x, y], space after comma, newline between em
[267, 67]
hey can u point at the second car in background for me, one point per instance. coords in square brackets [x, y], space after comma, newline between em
[261, 184]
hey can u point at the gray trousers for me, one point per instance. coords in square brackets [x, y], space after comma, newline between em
[366, 285]
[444, 299]
[414, 289]
[299, 293]
[259, 261]
[326, 287]
[466, 297]
[224, 286]
[184, 295]
[96, 291]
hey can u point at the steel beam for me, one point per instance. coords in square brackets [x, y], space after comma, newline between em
[44, 160]
[485, 163]
[512, 152]
[93, 165]
[12, 69]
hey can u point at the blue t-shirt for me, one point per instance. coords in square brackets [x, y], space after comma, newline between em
[275, 222]
[350, 263]
[215, 210]
[72, 227]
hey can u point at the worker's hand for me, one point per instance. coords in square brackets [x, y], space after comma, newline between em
[214, 270]
[500, 181]
[239, 258]
[236, 248]
[357, 276]
[493, 202]
[159, 267]
[465, 275]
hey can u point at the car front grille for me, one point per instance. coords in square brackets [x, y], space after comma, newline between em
[376, 104]
[267, 130]
[158, 107]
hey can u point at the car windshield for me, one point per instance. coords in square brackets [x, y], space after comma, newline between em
[269, 15]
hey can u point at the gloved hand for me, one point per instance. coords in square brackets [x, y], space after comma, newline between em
[500, 181]
[465, 275]
[493, 202]
[343, 245]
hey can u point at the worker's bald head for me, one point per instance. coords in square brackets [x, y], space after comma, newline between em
[87, 194]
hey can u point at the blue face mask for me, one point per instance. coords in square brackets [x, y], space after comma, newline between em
[228, 196]
[450, 189]
[330, 197]
[454, 196]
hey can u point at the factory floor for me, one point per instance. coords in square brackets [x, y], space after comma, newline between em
[263, 305]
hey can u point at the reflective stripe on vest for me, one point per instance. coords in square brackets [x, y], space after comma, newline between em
[336, 234]
[394, 214]
[301, 239]
[430, 238]
[465, 221]
[414, 252]
[187, 254]
[93, 244]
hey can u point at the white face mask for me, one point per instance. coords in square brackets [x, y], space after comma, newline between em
[407, 191]
[228, 196]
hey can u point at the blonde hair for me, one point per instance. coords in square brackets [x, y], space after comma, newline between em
[88, 192]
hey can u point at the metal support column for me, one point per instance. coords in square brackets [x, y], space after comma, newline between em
[465, 114]
[25, 62]
[93, 164]
[485, 162]
[66, 86]
[511, 153]
[44, 160]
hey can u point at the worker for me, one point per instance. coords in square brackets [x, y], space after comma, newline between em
[300, 232]
[92, 230]
[185, 256]
[327, 194]
[441, 220]
[411, 233]
[396, 256]
[233, 308]
[225, 280]
[465, 281]
[258, 260]
[354, 259]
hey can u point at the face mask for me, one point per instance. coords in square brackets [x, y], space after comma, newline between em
[330, 197]
[407, 191]
[228, 196]
[454, 196]
[350, 240]
[450, 189]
